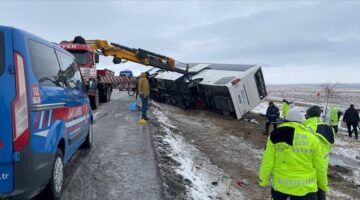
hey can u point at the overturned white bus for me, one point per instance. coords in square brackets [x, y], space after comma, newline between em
[224, 88]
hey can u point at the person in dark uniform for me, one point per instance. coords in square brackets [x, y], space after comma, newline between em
[351, 117]
[272, 115]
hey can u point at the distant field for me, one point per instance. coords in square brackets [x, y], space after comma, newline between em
[346, 94]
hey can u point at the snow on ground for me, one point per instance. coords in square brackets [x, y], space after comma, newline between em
[345, 154]
[337, 195]
[261, 108]
[207, 180]
[344, 96]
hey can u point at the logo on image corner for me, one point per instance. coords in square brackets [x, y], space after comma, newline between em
[36, 94]
[4, 176]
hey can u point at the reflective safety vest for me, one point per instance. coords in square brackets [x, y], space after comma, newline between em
[293, 156]
[285, 109]
[325, 135]
[334, 118]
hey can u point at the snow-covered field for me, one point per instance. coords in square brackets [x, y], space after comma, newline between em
[195, 167]
[211, 153]
[308, 94]
[345, 154]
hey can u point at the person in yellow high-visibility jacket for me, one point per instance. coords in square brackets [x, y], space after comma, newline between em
[285, 107]
[334, 118]
[325, 135]
[144, 91]
[294, 158]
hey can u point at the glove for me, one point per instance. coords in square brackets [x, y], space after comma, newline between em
[324, 188]
[263, 183]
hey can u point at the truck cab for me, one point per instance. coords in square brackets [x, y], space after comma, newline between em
[87, 59]
[46, 114]
[126, 73]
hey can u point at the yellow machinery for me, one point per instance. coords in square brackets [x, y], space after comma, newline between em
[122, 53]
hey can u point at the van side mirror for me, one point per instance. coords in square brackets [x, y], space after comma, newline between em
[92, 85]
[97, 58]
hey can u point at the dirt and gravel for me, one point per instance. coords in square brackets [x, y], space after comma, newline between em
[234, 149]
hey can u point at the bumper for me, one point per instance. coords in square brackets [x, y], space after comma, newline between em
[31, 174]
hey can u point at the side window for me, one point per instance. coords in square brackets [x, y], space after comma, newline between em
[44, 64]
[69, 73]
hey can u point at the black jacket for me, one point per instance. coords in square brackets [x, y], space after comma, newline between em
[351, 116]
[272, 113]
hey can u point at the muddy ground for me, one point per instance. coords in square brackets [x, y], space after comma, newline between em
[225, 151]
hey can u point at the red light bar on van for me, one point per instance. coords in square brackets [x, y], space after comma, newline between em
[235, 81]
[20, 111]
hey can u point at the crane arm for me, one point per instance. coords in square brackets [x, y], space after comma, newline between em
[140, 56]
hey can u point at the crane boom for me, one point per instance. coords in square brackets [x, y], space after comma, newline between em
[140, 56]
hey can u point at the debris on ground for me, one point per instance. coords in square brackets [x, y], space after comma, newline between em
[242, 183]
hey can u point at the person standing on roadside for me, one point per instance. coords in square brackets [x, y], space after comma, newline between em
[325, 135]
[294, 158]
[334, 118]
[351, 117]
[285, 107]
[137, 98]
[144, 90]
[272, 115]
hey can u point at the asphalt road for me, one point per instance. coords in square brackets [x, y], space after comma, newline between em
[121, 163]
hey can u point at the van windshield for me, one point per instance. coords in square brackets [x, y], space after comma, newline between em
[2, 53]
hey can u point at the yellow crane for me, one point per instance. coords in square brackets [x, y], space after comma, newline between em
[122, 54]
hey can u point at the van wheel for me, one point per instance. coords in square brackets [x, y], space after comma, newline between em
[55, 186]
[89, 138]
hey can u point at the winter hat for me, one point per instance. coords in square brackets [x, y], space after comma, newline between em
[314, 111]
[295, 115]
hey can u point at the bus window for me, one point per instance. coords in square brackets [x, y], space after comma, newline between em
[260, 84]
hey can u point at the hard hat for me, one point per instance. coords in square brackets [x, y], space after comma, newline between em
[295, 115]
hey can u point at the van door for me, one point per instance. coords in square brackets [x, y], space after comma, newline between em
[7, 96]
[48, 95]
[77, 102]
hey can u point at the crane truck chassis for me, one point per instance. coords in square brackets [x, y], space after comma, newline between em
[98, 82]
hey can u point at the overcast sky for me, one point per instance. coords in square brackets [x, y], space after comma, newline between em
[295, 42]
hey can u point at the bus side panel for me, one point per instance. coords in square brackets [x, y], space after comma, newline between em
[238, 103]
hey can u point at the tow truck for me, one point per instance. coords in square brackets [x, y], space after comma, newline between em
[227, 89]
[99, 83]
